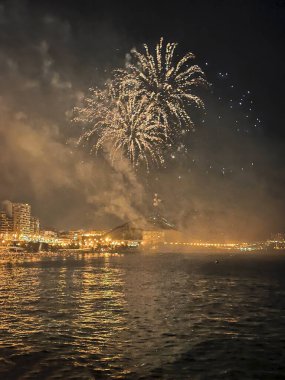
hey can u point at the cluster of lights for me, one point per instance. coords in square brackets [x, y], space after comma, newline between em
[87, 241]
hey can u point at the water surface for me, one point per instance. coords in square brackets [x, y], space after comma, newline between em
[142, 316]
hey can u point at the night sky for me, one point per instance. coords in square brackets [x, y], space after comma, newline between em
[230, 184]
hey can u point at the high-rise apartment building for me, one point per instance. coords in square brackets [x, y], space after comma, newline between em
[6, 223]
[35, 226]
[16, 218]
[21, 214]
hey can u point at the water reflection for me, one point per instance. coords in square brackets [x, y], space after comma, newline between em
[142, 316]
[65, 306]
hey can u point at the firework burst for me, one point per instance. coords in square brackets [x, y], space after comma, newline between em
[168, 84]
[142, 109]
[122, 123]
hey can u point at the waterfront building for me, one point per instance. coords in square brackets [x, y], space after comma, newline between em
[6, 223]
[74, 235]
[49, 234]
[35, 226]
[91, 238]
[21, 214]
[64, 242]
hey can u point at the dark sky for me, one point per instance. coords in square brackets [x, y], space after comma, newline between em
[232, 181]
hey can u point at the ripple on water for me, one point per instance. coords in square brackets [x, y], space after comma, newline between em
[141, 317]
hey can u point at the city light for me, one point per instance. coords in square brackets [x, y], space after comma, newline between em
[20, 232]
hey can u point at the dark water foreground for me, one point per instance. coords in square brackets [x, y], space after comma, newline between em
[157, 316]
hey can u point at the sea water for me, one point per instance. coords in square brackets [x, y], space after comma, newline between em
[142, 316]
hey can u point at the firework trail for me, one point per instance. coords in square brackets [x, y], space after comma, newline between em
[141, 109]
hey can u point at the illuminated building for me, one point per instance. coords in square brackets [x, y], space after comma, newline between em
[73, 236]
[6, 223]
[92, 238]
[34, 226]
[16, 218]
[64, 242]
[49, 234]
[21, 214]
[70, 238]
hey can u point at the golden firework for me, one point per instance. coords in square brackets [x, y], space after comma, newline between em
[137, 113]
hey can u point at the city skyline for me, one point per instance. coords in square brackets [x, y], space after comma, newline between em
[18, 224]
[232, 174]
[16, 218]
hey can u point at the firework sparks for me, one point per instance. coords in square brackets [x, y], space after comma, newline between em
[166, 84]
[140, 110]
[124, 124]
